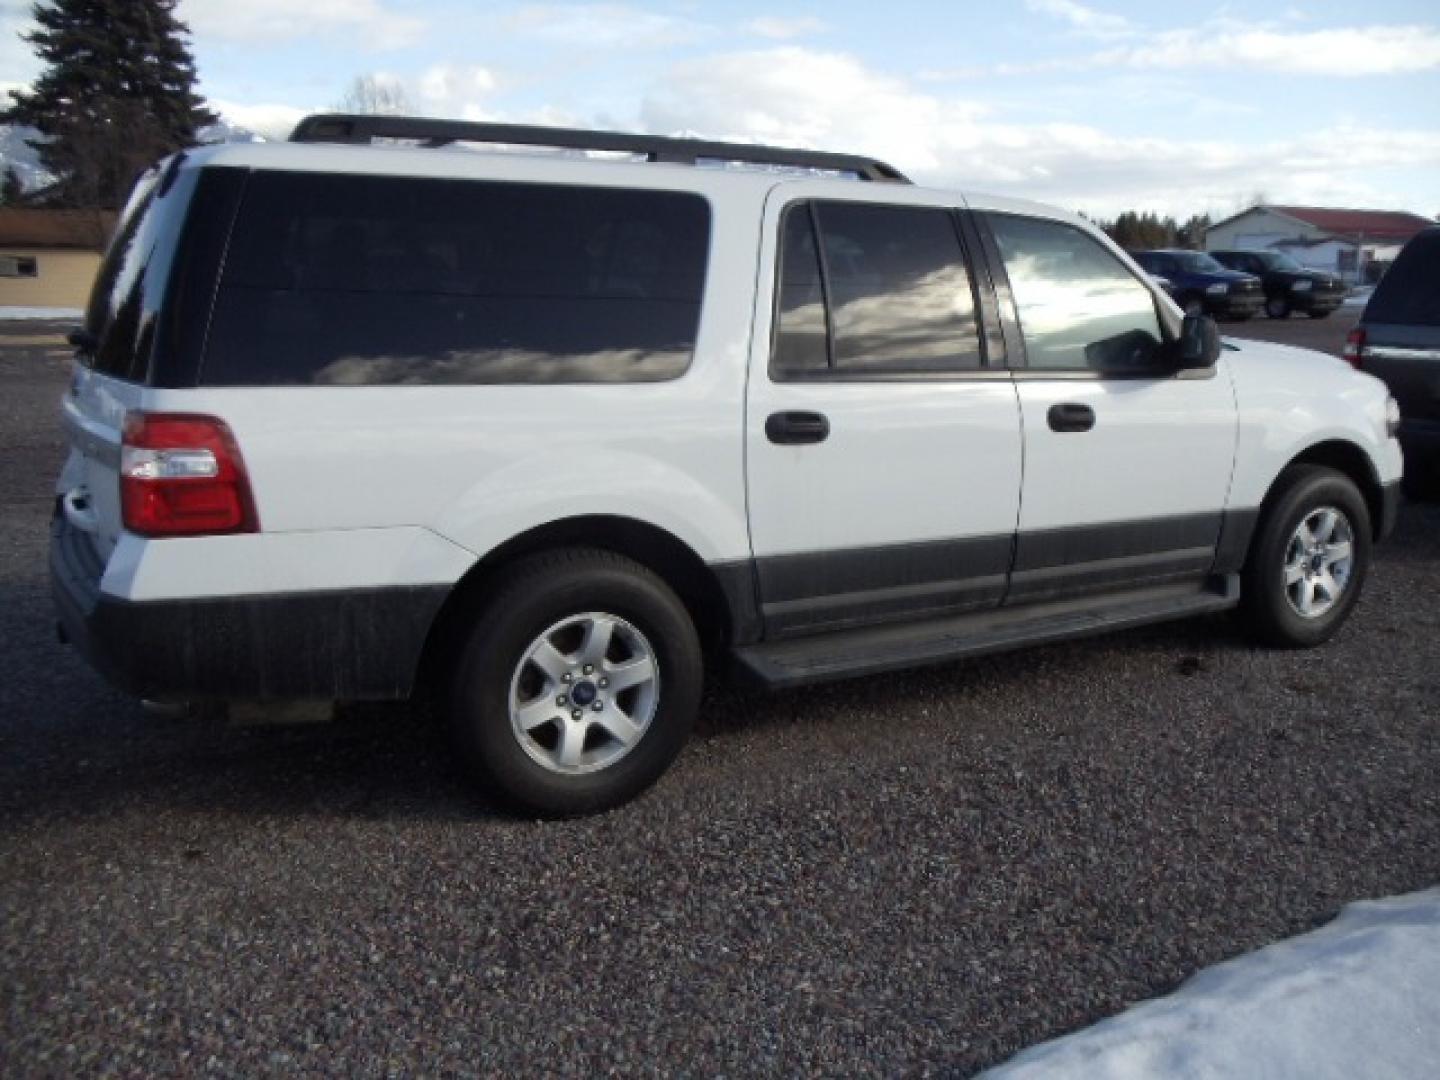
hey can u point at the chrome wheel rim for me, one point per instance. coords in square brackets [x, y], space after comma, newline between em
[1319, 562]
[584, 693]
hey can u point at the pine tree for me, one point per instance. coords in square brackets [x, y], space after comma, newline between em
[12, 188]
[118, 93]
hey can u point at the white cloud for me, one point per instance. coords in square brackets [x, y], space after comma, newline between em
[270, 120]
[1337, 53]
[372, 21]
[602, 26]
[1084, 19]
[1343, 52]
[445, 85]
[781, 28]
[831, 101]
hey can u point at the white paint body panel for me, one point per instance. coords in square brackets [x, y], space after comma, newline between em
[260, 563]
[904, 461]
[1292, 399]
[1159, 448]
[359, 487]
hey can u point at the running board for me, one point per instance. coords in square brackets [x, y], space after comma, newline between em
[868, 651]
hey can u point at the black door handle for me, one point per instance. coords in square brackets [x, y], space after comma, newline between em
[1071, 416]
[794, 428]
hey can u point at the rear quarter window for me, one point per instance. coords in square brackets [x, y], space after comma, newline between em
[135, 274]
[359, 280]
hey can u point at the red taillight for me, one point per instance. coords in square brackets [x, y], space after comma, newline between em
[182, 475]
[1354, 347]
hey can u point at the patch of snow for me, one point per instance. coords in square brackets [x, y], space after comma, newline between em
[1358, 997]
[40, 313]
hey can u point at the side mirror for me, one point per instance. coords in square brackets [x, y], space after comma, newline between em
[1199, 345]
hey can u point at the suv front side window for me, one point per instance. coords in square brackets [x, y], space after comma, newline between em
[1080, 309]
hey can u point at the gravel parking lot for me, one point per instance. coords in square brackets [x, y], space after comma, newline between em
[919, 873]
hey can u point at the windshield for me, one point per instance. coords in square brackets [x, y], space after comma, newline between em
[1275, 260]
[1198, 262]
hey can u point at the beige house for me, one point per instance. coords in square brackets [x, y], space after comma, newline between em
[48, 258]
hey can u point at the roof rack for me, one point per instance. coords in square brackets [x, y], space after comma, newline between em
[362, 129]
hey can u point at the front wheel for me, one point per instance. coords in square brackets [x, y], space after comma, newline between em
[1277, 307]
[577, 684]
[1308, 560]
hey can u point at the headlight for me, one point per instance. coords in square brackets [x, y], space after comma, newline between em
[1392, 416]
[1218, 289]
[1302, 286]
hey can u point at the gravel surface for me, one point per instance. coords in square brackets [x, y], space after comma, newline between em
[921, 873]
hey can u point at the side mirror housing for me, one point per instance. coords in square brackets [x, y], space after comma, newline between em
[1199, 344]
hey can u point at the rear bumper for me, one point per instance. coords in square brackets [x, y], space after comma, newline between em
[349, 644]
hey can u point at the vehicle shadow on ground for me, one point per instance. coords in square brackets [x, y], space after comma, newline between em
[82, 749]
[70, 745]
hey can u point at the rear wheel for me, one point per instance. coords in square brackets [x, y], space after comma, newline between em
[1277, 307]
[577, 684]
[1308, 560]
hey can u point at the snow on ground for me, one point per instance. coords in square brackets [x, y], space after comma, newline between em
[39, 313]
[1359, 997]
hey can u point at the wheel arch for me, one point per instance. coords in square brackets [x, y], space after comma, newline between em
[1350, 460]
[720, 599]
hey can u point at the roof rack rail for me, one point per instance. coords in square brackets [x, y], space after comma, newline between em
[362, 129]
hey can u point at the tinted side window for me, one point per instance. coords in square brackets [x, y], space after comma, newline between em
[801, 329]
[900, 296]
[892, 281]
[354, 280]
[1409, 293]
[1079, 307]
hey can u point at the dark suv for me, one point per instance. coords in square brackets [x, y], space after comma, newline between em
[1288, 285]
[1202, 286]
[1398, 340]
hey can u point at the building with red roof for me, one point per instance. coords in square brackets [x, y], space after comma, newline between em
[1323, 238]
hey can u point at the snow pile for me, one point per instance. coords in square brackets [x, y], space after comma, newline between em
[1359, 997]
[39, 313]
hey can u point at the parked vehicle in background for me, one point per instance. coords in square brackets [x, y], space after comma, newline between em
[1398, 340]
[1202, 286]
[1165, 284]
[542, 433]
[1288, 285]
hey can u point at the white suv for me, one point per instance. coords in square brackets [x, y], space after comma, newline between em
[543, 430]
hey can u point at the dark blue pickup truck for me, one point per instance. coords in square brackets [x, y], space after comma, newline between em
[1202, 286]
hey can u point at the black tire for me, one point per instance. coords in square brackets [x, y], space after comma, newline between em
[1265, 604]
[533, 596]
[1277, 307]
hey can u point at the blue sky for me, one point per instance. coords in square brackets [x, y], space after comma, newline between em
[1095, 106]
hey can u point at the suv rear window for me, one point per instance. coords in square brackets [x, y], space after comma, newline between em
[362, 280]
[1409, 293]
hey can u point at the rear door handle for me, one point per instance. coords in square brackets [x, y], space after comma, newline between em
[1071, 416]
[794, 428]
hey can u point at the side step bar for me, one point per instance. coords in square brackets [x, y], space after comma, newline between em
[871, 650]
